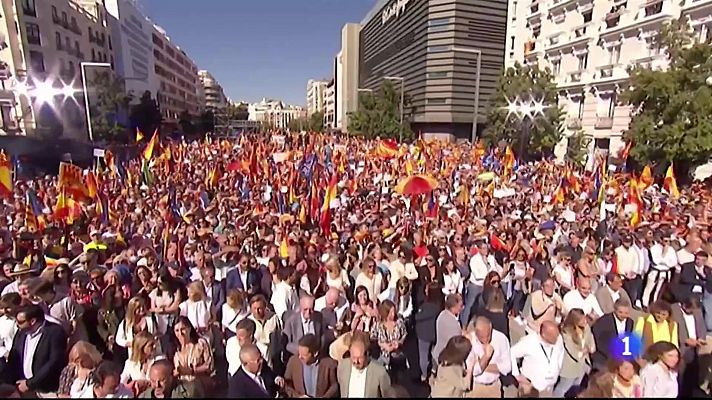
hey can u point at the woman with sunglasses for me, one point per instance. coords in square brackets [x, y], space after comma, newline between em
[370, 278]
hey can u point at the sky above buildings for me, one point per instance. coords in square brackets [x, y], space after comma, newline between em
[259, 48]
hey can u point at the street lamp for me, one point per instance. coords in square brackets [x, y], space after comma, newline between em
[527, 111]
[402, 84]
[477, 87]
[82, 67]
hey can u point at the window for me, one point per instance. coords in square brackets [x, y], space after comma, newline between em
[437, 49]
[436, 101]
[603, 144]
[556, 66]
[612, 98]
[74, 22]
[76, 48]
[614, 54]
[67, 44]
[33, 33]
[438, 28]
[37, 61]
[93, 55]
[71, 68]
[512, 41]
[514, 11]
[606, 105]
[654, 8]
[58, 40]
[55, 16]
[64, 18]
[654, 47]
[438, 21]
[581, 101]
[438, 74]
[110, 43]
[582, 61]
[91, 34]
[28, 7]
[587, 16]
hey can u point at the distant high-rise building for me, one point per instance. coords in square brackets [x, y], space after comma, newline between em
[315, 96]
[346, 76]
[330, 106]
[589, 45]
[215, 99]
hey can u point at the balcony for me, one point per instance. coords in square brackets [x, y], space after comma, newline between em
[75, 28]
[605, 71]
[55, 19]
[651, 62]
[690, 5]
[603, 123]
[32, 12]
[573, 123]
[34, 40]
[554, 40]
[576, 36]
[575, 77]
[534, 11]
[649, 17]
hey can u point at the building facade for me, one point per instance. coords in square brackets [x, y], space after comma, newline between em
[431, 48]
[274, 113]
[178, 79]
[589, 45]
[132, 47]
[315, 96]
[42, 46]
[346, 76]
[330, 106]
[214, 96]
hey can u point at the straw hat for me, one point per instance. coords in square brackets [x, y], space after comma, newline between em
[21, 269]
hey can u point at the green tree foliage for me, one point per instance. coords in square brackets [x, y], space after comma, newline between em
[313, 123]
[577, 146]
[540, 133]
[237, 112]
[185, 121]
[378, 114]
[672, 118]
[146, 115]
[108, 100]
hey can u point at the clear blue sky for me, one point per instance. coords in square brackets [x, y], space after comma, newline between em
[259, 48]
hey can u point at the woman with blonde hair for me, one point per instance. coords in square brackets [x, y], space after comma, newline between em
[370, 278]
[197, 309]
[234, 310]
[76, 376]
[578, 346]
[336, 277]
[143, 350]
[401, 296]
[136, 320]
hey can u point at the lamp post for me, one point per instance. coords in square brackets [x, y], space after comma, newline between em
[402, 85]
[82, 67]
[527, 111]
[477, 87]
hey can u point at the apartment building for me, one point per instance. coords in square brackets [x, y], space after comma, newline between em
[132, 47]
[346, 76]
[330, 105]
[213, 94]
[589, 44]
[42, 46]
[177, 77]
[315, 95]
[274, 113]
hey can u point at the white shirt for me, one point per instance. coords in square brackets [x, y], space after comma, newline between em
[357, 383]
[230, 317]
[8, 329]
[282, 299]
[643, 259]
[12, 287]
[480, 266]
[620, 325]
[500, 358]
[31, 342]
[541, 361]
[664, 257]
[690, 324]
[121, 393]
[243, 278]
[573, 299]
[341, 306]
[615, 295]
[452, 283]
[307, 326]
[627, 260]
[232, 353]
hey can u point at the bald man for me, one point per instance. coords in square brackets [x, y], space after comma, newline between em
[489, 359]
[254, 378]
[334, 308]
[542, 356]
[353, 373]
[165, 386]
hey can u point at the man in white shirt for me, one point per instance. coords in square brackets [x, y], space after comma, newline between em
[542, 356]
[284, 296]
[400, 268]
[244, 334]
[663, 263]
[8, 327]
[582, 298]
[480, 264]
[352, 372]
[488, 359]
[627, 263]
[107, 384]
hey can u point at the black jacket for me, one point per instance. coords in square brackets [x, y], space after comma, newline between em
[689, 279]
[49, 359]
[604, 331]
[425, 320]
[241, 386]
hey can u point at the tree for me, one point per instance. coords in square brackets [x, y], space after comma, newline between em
[185, 120]
[298, 124]
[672, 109]
[316, 122]
[238, 112]
[109, 100]
[206, 122]
[577, 148]
[537, 133]
[378, 114]
[146, 115]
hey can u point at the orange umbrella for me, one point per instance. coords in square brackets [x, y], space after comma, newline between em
[416, 184]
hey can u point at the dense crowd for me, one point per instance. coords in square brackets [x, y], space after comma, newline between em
[306, 265]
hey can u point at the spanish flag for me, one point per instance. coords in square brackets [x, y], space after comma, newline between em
[70, 180]
[635, 199]
[329, 195]
[6, 186]
[92, 185]
[670, 183]
[626, 151]
[284, 246]
[66, 209]
[139, 135]
[646, 178]
[148, 151]
[387, 148]
[509, 160]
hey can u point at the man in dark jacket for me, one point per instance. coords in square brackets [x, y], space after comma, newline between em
[254, 378]
[165, 385]
[425, 321]
[606, 329]
[38, 354]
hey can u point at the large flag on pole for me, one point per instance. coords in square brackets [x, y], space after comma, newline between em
[148, 151]
[6, 186]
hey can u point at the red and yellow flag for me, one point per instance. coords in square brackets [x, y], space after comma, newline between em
[71, 181]
[148, 151]
[6, 185]
[139, 135]
[670, 183]
[646, 178]
[636, 200]
[91, 184]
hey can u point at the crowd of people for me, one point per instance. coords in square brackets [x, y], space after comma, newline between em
[310, 265]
